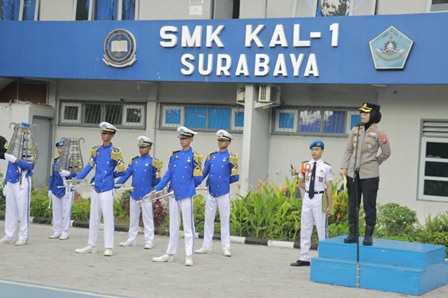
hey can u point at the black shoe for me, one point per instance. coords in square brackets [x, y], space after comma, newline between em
[368, 241]
[350, 239]
[300, 263]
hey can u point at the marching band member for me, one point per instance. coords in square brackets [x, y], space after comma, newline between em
[108, 164]
[18, 195]
[184, 174]
[61, 197]
[145, 172]
[221, 167]
[316, 178]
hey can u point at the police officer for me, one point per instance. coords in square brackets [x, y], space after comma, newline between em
[61, 197]
[366, 138]
[184, 174]
[108, 164]
[145, 172]
[17, 191]
[316, 178]
[221, 167]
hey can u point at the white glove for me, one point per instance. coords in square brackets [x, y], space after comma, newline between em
[64, 173]
[49, 194]
[10, 158]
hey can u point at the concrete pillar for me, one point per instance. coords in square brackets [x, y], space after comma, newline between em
[254, 157]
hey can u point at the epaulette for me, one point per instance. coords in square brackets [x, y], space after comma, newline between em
[157, 163]
[52, 162]
[132, 159]
[197, 157]
[116, 155]
[93, 150]
[175, 151]
[328, 164]
[211, 153]
[233, 159]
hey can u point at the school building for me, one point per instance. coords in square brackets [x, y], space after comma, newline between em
[277, 74]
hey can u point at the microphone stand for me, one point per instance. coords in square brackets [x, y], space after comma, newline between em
[358, 200]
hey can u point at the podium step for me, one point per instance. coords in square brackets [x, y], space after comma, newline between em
[388, 265]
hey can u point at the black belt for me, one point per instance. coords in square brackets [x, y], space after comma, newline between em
[317, 192]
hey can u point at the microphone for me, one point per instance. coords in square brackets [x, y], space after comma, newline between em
[360, 124]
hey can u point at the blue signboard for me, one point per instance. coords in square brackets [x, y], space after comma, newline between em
[331, 50]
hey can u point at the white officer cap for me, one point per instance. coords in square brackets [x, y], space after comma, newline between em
[108, 128]
[144, 141]
[185, 133]
[224, 135]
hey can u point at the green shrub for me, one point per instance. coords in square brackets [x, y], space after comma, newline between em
[39, 205]
[395, 221]
[434, 231]
[81, 210]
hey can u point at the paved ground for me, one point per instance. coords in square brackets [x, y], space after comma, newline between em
[252, 271]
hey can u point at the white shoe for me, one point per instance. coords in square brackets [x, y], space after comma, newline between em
[5, 240]
[86, 250]
[64, 237]
[189, 261]
[203, 250]
[108, 252]
[54, 236]
[126, 244]
[227, 253]
[149, 245]
[164, 258]
[20, 243]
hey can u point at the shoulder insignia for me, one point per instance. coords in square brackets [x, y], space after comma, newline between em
[211, 153]
[175, 151]
[233, 159]
[328, 164]
[132, 159]
[93, 150]
[52, 161]
[197, 157]
[116, 155]
[157, 163]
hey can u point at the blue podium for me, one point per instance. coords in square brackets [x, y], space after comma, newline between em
[388, 265]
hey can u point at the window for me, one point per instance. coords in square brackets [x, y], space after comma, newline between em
[315, 121]
[433, 164]
[439, 5]
[202, 117]
[92, 113]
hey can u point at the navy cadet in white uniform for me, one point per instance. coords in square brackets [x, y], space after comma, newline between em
[145, 172]
[184, 174]
[221, 167]
[17, 191]
[316, 178]
[61, 197]
[109, 165]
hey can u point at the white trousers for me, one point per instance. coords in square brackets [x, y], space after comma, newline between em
[17, 209]
[62, 213]
[102, 204]
[148, 221]
[223, 203]
[311, 212]
[186, 207]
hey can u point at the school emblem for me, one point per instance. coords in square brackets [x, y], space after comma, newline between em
[119, 49]
[390, 49]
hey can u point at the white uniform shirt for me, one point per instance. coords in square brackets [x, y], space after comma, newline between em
[324, 174]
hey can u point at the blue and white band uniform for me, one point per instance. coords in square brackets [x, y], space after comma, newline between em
[62, 200]
[145, 174]
[221, 173]
[222, 170]
[312, 208]
[18, 196]
[184, 173]
[108, 164]
[105, 160]
[180, 168]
